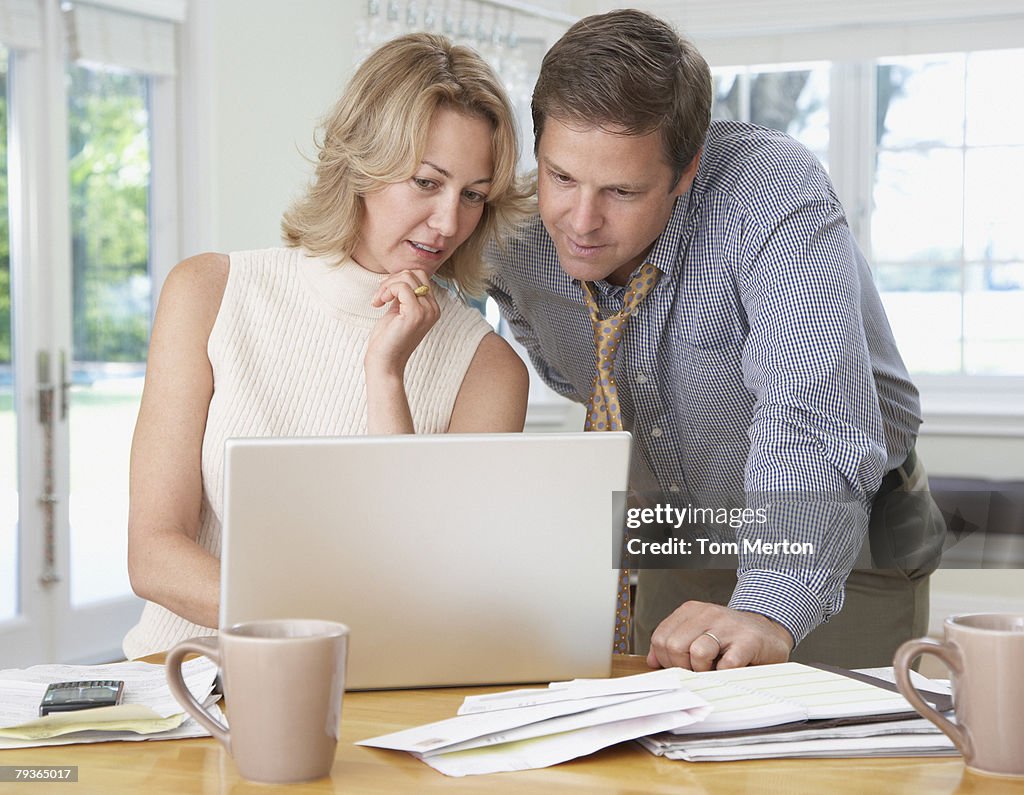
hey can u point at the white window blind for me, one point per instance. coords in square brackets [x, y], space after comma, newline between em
[20, 24]
[753, 31]
[139, 36]
[724, 18]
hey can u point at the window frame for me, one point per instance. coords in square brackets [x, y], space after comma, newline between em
[958, 404]
[47, 625]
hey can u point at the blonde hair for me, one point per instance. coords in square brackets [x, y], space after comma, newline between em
[376, 135]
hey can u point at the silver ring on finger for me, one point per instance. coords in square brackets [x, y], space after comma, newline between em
[714, 638]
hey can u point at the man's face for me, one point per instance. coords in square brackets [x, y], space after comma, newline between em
[604, 197]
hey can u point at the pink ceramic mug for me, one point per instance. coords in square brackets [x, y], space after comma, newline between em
[283, 683]
[985, 656]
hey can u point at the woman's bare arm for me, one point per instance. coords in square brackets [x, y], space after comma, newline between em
[492, 397]
[165, 563]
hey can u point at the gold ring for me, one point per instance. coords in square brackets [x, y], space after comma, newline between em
[716, 640]
[422, 290]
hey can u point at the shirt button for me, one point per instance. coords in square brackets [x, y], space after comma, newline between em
[674, 488]
[656, 432]
[641, 378]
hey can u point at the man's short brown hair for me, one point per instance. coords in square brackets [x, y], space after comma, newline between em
[630, 71]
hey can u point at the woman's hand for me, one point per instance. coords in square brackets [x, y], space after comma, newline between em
[412, 313]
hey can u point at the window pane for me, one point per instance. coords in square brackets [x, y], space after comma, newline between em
[8, 427]
[994, 203]
[109, 166]
[993, 116]
[921, 101]
[793, 98]
[727, 88]
[795, 101]
[918, 206]
[993, 308]
[924, 309]
[950, 164]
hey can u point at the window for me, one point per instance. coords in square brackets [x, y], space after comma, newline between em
[88, 169]
[943, 198]
[109, 176]
[947, 239]
[793, 98]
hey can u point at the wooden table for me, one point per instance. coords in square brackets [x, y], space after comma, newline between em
[202, 765]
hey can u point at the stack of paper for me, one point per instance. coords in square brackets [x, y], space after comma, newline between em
[747, 713]
[820, 714]
[918, 737]
[526, 729]
[148, 710]
[770, 695]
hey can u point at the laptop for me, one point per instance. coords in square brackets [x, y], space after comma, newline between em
[455, 559]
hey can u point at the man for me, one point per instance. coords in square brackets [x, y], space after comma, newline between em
[759, 361]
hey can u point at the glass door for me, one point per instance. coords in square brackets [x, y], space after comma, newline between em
[8, 424]
[25, 497]
[108, 122]
[109, 170]
[76, 299]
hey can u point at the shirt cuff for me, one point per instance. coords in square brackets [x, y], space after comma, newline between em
[782, 598]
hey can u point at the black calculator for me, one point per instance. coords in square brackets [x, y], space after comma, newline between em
[70, 696]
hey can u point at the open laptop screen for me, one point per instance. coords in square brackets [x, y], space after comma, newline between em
[454, 559]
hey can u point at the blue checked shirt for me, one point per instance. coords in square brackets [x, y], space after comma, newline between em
[762, 363]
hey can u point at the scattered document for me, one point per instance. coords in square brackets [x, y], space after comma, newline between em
[147, 708]
[678, 703]
[551, 749]
[653, 681]
[188, 728]
[528, 729]
[758, 712]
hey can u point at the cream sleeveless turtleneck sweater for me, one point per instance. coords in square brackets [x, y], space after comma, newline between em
[287, 352]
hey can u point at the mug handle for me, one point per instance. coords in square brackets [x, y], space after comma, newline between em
[208, 647]
[949, 655]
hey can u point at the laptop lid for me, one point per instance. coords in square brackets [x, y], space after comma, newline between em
[454, 559]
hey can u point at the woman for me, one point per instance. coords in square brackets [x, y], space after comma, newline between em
[343, 331]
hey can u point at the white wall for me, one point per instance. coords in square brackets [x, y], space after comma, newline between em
[258, 76]
[995, 457]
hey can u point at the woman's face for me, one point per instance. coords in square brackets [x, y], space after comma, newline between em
[418, 224]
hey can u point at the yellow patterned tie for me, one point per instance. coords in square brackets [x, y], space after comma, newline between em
[603, 409]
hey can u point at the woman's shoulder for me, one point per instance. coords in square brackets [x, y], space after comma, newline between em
[202, 270]
[203, 278]
[195, 286]
[491, 351]
[495, 352]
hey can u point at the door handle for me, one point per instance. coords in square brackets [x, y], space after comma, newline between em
[48, 499]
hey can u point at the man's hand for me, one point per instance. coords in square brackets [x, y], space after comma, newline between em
[745, 638]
